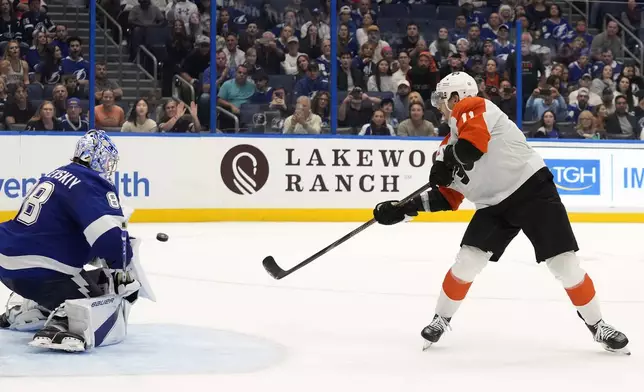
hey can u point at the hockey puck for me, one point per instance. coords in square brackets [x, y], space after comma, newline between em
[163, 237]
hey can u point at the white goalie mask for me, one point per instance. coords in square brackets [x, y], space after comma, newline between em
[457, 82]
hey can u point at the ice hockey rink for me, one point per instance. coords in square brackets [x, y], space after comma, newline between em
[351, 320]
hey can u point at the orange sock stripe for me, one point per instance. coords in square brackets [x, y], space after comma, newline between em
[455, 289]
[583, 293]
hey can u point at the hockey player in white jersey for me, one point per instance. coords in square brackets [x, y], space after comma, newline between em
[487, 160]
[70, 218]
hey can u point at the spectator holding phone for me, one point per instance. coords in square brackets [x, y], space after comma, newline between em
[506, 99]
[356, 109]
[543, 99]
[303, 121]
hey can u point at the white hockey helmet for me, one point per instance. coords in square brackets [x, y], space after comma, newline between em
[457, 82]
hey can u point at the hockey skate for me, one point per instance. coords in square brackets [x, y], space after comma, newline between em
[433, 332]
[611, 339]
[55, 336]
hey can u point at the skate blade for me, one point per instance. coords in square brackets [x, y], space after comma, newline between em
[426, 345]
[622, 351]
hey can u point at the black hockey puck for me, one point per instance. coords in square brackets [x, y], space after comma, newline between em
[163, 237]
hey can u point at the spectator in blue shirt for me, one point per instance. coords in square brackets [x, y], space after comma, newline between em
[311, 83]
[542, 100]
[264, 92]
[72, 120]
[460, 29]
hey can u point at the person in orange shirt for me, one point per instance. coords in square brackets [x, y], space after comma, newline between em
[108, 115]
[487, 159]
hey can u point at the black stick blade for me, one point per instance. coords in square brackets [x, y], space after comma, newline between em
[274, 270]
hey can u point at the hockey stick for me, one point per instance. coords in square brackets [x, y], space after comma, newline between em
[277, 272]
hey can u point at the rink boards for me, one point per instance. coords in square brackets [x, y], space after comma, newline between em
[192, 178]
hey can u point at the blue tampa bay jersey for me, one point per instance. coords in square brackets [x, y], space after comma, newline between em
[71, 216]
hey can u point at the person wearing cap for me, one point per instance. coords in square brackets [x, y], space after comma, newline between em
[72, 120]
[199, 59]
[579, 68]
[401, 100]
[502, 45]
[593, 98]
[373, 39]
[324, 31]
[345, 18]
[311, 83]
[289, 65]
[574, 108]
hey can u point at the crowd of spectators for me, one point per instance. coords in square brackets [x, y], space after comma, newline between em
[273, 63]
[391, 54]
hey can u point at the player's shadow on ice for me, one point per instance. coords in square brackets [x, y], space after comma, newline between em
[149, 349]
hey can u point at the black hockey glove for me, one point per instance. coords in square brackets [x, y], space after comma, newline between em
[390, 212]
[441, 174]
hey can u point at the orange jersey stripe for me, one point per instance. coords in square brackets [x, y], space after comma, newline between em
[454, 198]
[583, 293]
[470, 122]
[455, 289]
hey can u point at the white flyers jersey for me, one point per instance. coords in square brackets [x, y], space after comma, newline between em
[507, 162]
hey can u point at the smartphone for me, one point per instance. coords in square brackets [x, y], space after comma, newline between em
[544, 91]
[507, 90]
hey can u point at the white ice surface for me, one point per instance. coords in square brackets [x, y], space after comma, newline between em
[351, 320]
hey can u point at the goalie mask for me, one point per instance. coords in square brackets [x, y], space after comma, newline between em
[97, 150]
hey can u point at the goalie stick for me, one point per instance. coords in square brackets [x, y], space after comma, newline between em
[277, 272]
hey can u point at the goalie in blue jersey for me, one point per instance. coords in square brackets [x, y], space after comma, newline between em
[71, 219]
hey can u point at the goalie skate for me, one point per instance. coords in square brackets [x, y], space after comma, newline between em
[54, 339]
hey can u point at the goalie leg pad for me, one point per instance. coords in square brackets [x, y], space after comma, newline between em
[100, 321]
